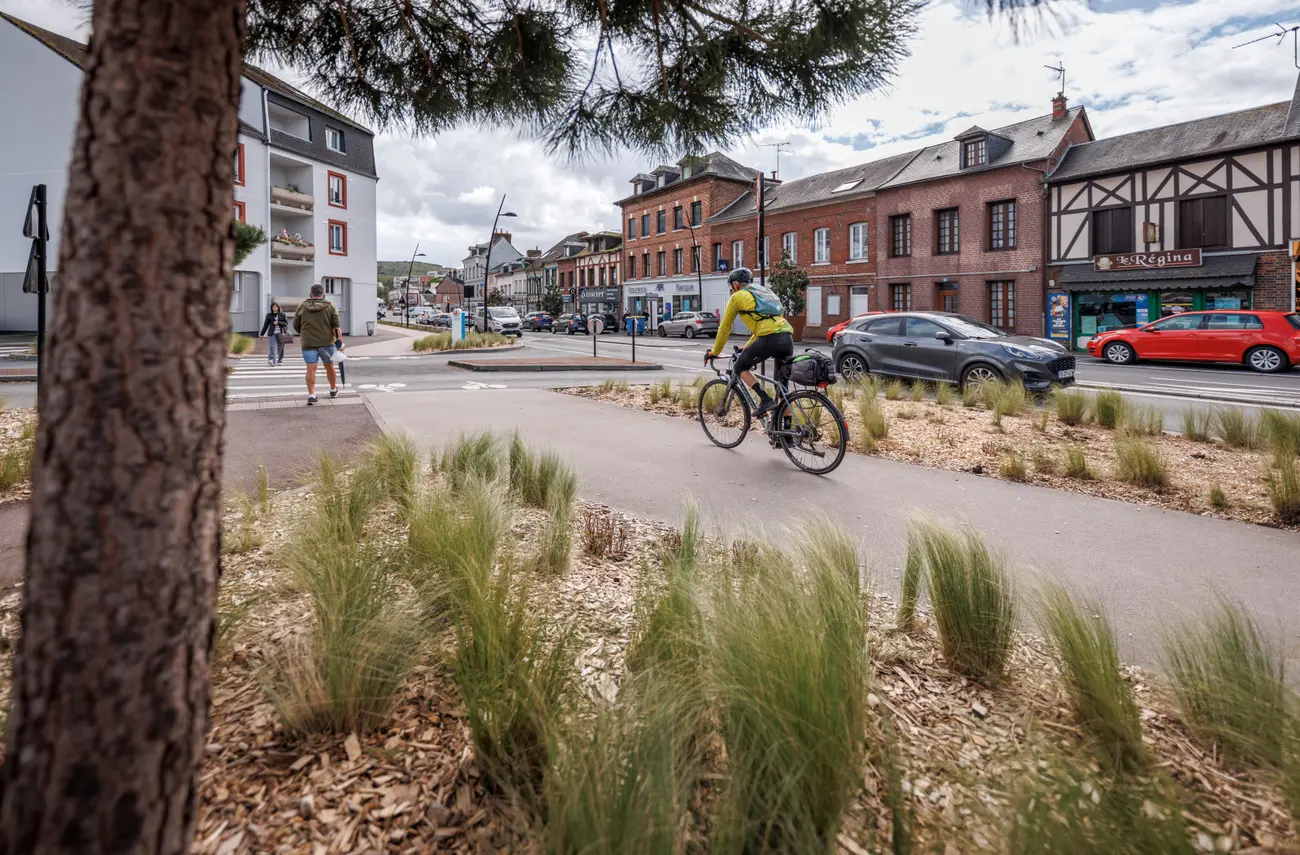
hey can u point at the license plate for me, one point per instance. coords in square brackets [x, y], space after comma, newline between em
[1068, 373]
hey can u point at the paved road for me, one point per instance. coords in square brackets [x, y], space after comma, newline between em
[1147, 564]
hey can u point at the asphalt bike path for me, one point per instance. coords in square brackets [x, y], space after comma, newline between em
[1148, 566]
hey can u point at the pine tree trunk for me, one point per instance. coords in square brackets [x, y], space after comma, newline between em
[111, 677]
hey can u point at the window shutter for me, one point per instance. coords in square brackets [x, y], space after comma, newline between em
[1216, 221]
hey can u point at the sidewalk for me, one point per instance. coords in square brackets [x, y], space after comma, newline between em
[1147, 565]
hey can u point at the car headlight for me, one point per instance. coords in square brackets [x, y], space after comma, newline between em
[1019, 352]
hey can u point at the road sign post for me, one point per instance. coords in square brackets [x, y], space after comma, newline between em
[36, 280]
[594, 327]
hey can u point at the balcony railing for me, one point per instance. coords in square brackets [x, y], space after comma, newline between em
[292, 252]
[292, 198]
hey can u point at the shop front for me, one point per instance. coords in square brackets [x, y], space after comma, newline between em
[599, 301]
[1136, 288]
[661, 300]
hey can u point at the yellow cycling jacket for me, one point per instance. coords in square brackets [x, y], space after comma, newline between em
[743, 303]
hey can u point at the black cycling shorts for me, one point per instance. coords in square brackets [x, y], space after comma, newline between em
[774, 346]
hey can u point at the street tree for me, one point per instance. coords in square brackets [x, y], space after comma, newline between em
[496, 297]
[789, 282]
[552, 300]
[111, 679]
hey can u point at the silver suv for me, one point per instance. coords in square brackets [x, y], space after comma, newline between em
[500, 319]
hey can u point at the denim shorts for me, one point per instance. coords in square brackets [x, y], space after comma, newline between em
[312, 355]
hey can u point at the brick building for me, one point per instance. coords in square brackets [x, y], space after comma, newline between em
[597, 271]
[960, 227]
[824, 224]
[1185, 217]
[666, 235]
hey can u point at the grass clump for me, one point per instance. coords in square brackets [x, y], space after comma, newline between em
[874, 422]
[1140, 463]
[614, 385]
[1005, 398]
[244, 538]
[1045, 463]
[1284, 489]
[943, 393]
[1218, 499]
[16, 461]
[604, 535]
[1230, 684]
[913, 572]
[395, 462]
[1071, 406]
[241, 344]
[555, 545]
[907, 412]
[791, 674]
[1143, 421]
[452, 541]
[1197, 423]
[263, 491]
[1236, 428]
[1085, 648]
[343, 501]
[971, 396]
[918, 391]
[477, 456]
[442, 341]
[971, 598]
[1012, 466]
[542, 480]
[1108, 408]
[894, 390]
[668, 631]
[1076, 464]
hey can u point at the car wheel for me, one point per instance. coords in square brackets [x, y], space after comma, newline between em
[1266, 360]
[663, 333]
[852, 366]
[1119, 353]
[979, 373]
[552, 330]
[690, 332]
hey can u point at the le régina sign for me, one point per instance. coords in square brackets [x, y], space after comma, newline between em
[1148, 260]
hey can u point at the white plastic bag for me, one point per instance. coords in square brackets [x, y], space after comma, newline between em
[338, 356]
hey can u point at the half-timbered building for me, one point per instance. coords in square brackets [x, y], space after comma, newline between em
[1185, 217]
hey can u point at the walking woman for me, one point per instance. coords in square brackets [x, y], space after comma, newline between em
[277, 325]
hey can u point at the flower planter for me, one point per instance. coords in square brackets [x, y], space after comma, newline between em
[291, 252]
[290, 199]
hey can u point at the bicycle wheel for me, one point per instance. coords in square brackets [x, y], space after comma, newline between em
[724, 413]
[821, 435]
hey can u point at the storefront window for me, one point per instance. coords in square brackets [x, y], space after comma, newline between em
[1227, 299]
[1102, 312]
[1175, 303]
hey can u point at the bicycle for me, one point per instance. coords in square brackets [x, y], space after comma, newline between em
[798, 424]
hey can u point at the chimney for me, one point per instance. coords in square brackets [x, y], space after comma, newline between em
[503, 233]
[534, 253]
[1059, 106]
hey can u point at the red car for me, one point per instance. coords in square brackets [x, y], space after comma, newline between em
[842, 325]
[1265, 341]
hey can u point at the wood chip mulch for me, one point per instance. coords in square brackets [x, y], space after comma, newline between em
[12, 423]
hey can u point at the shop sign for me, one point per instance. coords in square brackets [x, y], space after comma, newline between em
[598, 295]
[1148, 260]
[684, 287]
[1058, 315]
[634, 290]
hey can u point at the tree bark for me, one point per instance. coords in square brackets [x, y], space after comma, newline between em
[111, 677]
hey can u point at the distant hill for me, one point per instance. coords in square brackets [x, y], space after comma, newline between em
[399, 268]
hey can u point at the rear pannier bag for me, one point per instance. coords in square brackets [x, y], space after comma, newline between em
[811, 368]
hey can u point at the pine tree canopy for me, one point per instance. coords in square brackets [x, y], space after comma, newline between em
[591, 75]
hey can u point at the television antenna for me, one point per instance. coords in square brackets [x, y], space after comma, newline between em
[779, 147]
[1280, 35]
[1060, 72]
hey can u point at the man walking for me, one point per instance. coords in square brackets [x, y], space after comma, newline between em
[317, 322]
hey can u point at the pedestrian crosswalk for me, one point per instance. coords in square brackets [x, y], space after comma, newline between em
[254, 380]
[6, 349]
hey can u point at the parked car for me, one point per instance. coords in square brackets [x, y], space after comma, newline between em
[948, 348]
[441, 319]
[689, 324]
[1265, 341]
[537, 321]
[499, 319]
[570, 322]
[609, 321]
[840, 327]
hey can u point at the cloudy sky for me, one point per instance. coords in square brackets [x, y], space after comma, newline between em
[1133, 63]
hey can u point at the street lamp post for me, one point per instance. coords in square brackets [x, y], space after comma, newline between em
[699, 264]
[406, 289]
[487, 260]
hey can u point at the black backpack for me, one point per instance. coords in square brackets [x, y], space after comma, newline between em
[812, 368]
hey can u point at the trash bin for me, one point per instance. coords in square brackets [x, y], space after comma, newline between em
[635, 326]
[370, 327]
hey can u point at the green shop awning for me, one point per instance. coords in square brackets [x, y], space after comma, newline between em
[1217, 271]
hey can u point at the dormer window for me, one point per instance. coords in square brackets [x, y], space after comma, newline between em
[974, 153]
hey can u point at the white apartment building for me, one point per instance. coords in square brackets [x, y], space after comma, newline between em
[304, 172]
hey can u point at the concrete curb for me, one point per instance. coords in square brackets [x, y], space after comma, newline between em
[462, 351]
[1200, 396]
[18, 378]
[507, 365]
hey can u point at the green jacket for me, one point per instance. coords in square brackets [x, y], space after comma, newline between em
[316, 319]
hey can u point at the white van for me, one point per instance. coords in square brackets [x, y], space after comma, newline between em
[500, 319]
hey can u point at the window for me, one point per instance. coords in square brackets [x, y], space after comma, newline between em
[1002, 225]
[717, 256]
[1203, 222]
[697, 213]
[858, 241]
[822, 246]
[737, 254]
[1002, 305]
[902, 298]
[763, 260]
[678, 222]
[338, 190]
[790, 246]
[1182, 322]
[645, 225]
[832, 304]
[973, 153]
[239, 211]
[900, 227]
[334, 139]
[947, 227]
[677, 258]
[631, 266]
[239, 165]
[884, 326]
[338, 237]
[948, 301]
[920, 328]
[847, 186]
[1233, 322]
[661, 222]
[662, 262]
[1112, 231]
[602, 277]
[645, 264]
[631, 228]
[237, 293]
[695, 259]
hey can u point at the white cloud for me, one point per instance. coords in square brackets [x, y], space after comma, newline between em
[1132, 67]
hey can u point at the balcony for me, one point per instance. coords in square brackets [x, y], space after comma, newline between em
[292, 252]
[291, 200]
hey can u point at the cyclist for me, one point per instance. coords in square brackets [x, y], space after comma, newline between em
[773, 337]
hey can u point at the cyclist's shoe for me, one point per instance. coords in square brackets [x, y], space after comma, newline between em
[766, 406]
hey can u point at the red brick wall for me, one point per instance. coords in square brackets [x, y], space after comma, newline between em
[834, 277]
[1273, 282]
[714, 194]
[565, 274]
[972, 269]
